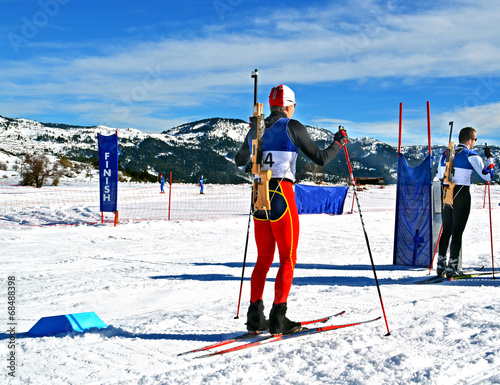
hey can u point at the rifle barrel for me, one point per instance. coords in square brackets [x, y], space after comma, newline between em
[255, 75]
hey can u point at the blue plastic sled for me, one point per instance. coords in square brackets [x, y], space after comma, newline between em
[79, 322]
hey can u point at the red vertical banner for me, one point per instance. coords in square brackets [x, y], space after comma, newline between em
[400, 126]
[429, 126]
[170, 195]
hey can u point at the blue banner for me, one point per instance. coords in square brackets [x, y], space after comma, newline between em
[413, 227]
[319, 199]
[108, 172]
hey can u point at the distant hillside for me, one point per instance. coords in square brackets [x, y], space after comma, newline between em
[206, 147]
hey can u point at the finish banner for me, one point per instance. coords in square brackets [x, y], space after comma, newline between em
[108, 172]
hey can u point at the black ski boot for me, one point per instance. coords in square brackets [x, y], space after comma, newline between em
[256, 321]
[278, 323]
[441, 266]
[452, 269]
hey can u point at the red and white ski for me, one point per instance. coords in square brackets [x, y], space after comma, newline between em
[246, 336]
[280, 337]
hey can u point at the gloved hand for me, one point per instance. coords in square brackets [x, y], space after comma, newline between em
[248, 168]
[487, 152]
[488, 168]
[341, 136]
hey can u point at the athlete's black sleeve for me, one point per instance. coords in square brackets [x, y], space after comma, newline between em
[243, 156]
[300, 137]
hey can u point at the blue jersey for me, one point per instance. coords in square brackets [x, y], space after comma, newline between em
[466, 161]
[279, 153]
[282, 139]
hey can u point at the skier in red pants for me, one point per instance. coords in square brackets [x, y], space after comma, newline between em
[283, 137]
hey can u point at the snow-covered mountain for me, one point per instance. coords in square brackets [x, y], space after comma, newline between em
[206, 147]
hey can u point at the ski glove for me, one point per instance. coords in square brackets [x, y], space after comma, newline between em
[488, 169]
[487, 152]
[341, 136]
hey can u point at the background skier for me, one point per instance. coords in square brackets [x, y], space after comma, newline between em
[202, 180]
[162, 184]
[455, 216]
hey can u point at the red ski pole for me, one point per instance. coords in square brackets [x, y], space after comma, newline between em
[435, 250]
[366, 236]
[491, 232]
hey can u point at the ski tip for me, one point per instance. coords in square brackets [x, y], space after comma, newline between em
[335, 315]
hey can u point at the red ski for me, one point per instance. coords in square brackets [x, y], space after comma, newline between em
[252, 335]
[280, 337]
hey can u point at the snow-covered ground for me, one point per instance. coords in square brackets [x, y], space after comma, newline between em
[164, 287]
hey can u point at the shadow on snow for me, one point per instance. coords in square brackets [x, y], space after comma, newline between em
[111, 332]
[352, 281]
[318, 266]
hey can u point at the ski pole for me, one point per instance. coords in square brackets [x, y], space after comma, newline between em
[435, 250]
[484, 195]
[366, 237]
[244, 263]
[353, 199]
[254, 132]
[491, 232]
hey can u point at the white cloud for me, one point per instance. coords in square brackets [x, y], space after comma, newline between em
[304, 46]
[485, 119]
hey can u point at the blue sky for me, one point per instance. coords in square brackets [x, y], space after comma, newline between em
[156, 64]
